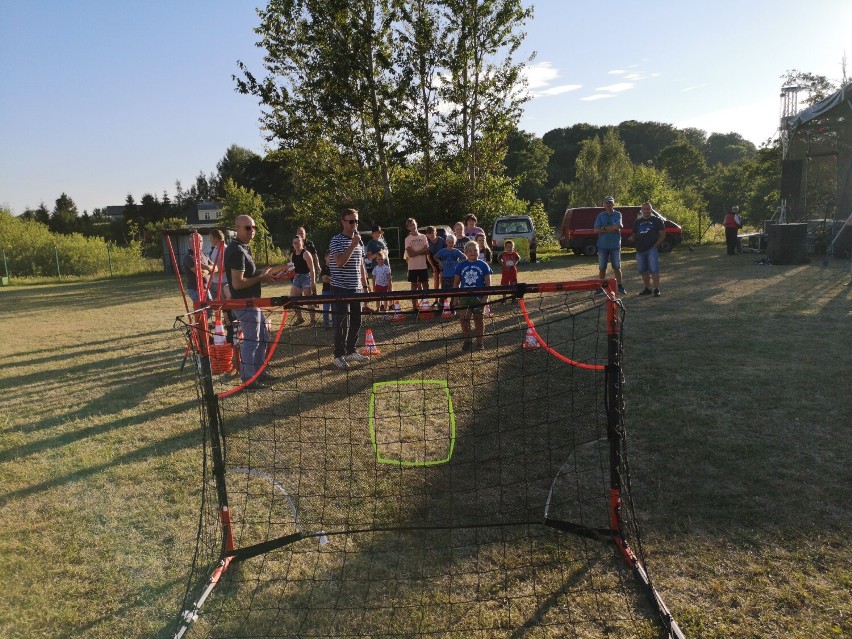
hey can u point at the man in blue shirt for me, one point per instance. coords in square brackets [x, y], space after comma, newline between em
[608, 227]
[472, 273]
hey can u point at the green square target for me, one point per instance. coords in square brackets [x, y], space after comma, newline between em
[412, 422]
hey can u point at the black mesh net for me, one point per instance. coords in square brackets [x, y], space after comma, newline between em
[431, 490]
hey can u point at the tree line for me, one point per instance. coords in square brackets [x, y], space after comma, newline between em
[410, 108]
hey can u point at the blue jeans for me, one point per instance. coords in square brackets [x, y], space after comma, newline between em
[347, 323]
[255, 339]
[193, 294]
[648, 261]
[609, 255]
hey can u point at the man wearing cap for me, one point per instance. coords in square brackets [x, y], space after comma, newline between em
[608, 228]
[732, 224]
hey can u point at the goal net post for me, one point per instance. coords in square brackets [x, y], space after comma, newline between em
[446, 482]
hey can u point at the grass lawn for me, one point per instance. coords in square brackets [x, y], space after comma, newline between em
[738, 414]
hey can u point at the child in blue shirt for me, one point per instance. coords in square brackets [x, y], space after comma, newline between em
[448, 258]
[472, 273]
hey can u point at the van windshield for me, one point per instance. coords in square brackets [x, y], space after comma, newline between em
[507, 227]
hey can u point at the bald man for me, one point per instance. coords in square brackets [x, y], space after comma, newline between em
[245, 280]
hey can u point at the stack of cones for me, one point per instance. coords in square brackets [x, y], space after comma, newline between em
[370, 349]
[448, 310]
[397, 313]
[426, 310]
[530, 340]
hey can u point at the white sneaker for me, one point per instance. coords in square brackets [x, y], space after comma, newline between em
[340, 363]
[357, 357]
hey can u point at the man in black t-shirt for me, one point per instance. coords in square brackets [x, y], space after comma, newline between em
[649, 231]
[245, 280]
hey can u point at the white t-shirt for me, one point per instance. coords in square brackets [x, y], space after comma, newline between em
[418, 243]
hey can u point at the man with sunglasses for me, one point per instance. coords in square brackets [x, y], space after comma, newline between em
[348, 276]
[245, 280]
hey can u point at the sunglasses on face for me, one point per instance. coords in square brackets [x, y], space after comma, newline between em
[250, 227]
[355, 221]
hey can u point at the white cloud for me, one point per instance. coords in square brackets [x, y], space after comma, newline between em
[559, 90]
[634, 76]
[597, 96]
[617, 72]
[617, 88]
[692, 88]
[540, 76]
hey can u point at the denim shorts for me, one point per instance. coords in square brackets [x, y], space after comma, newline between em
[609, 255]
[302, 280]
[648, 261]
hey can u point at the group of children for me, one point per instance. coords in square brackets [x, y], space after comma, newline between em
[452, 267]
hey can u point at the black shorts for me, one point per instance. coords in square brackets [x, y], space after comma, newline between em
[418, 275]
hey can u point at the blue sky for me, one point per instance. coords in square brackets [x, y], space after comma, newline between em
[99, 99]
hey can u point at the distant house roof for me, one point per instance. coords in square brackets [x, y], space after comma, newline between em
[203, 214]
[115, 212]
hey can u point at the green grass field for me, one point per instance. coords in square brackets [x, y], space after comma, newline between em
[738, 414]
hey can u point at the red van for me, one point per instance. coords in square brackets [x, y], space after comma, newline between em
[578, 230]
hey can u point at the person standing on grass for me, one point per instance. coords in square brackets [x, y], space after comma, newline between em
[472, 273]
[448, 258]
[471, 230]
[416, 249]
[733, 223]
[348, 276]
[509, 259]
[245, 280]
[376, 245]
[608, 228]
[207, 269]
[436, 243]
[461, 238]
[219, 285]
[649, 231]
[304, 282]
[382, 278]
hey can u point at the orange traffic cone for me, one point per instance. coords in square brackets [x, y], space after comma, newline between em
[426, 310]
[487, 311]
[218, 332]
[448, 310]
[397, 313]
[370, 349]
[530, 340]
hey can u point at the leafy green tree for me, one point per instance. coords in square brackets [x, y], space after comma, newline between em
[644, 141]
[818, 87]
[40, 214]
[421, 31]
[131, 210]
[241, 165]
[683, 163]
[696, 137]
[242, 201]
[482, 79]
[558, 200]
[603, 168]
[526, 163]
[726, 148]
[64, 217]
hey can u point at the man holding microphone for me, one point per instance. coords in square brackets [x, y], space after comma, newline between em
[348, 276]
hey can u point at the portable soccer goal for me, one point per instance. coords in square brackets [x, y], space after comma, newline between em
[437, 489]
